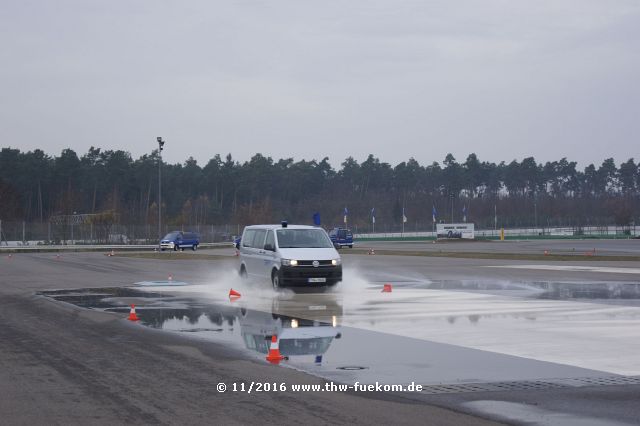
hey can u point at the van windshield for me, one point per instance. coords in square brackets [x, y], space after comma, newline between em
[303, 238]
[171, 236]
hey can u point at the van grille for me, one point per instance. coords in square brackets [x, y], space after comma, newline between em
[310, 262]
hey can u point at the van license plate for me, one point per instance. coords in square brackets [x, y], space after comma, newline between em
[317, 280]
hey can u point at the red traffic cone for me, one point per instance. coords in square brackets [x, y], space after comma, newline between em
[132, 314]
[546, 252]
[386, 288]
[274, 356]
[170, 278]
[233, 294]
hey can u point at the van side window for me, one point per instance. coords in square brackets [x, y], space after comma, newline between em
[270, 242]
[248, 237]
[258, 239]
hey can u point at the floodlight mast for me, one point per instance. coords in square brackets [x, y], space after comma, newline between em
[160, 145]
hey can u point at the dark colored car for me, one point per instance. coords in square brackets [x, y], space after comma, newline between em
[178, 240]
[341, 237]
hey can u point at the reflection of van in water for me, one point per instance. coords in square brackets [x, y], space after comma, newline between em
[297, 336]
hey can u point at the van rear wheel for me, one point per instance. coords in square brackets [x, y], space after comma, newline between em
[194, 247]
[243, 273]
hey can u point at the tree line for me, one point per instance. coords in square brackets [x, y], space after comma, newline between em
[35, 186]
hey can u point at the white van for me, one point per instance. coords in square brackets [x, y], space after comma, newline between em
[289, 255]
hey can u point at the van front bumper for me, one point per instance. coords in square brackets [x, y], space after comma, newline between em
[304, 275]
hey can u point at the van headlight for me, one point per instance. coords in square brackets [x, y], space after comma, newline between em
[336, 262]
[289, 262]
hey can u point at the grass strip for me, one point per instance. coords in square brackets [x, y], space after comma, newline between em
[500, 256]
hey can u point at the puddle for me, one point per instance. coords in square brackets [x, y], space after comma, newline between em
[163, 283]
[350, 336]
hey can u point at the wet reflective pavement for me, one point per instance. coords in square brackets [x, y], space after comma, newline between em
[459, 334]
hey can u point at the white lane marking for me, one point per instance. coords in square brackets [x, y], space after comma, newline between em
[572, 268]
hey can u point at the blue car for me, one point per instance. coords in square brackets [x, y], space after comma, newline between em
[178, 240]
[341, 237]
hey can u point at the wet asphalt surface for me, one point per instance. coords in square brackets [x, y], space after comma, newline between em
[521, 345]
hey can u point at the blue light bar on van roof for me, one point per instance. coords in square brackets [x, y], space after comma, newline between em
[284, 224]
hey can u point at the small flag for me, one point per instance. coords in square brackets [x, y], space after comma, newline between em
[464, 213]
[373, 215]
[433, 213]
[404, 217]
[346, 213]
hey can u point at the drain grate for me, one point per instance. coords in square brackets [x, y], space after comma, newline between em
[525, 385]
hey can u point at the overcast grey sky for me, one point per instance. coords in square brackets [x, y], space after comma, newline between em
[503, 78]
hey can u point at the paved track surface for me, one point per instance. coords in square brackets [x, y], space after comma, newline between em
[64, 365]
[449, 323]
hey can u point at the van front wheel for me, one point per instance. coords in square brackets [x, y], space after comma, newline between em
[275, 280]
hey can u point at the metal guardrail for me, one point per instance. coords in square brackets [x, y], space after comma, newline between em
[95, 248]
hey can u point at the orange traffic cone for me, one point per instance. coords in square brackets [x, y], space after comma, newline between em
[274, 356]
[386, 288]
[233, 294]
[132, 314]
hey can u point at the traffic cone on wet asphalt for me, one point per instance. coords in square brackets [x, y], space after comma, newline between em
[10, 255]
[386, 288]
[132, 314]
[274, 356]
[546, 252]
[233, 295]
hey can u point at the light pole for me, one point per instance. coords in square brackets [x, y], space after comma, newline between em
[160, 145]
[451, 207]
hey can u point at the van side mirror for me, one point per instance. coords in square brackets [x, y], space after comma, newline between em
[269, 247]
[336, 245]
